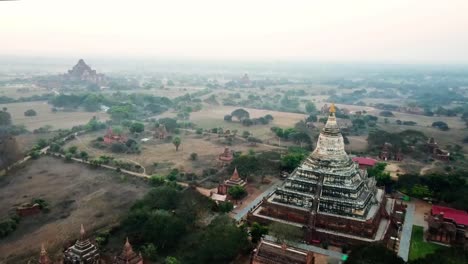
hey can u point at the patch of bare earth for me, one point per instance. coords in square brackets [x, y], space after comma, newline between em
[76, 195]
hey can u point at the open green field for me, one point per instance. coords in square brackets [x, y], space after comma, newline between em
[418, 247]
[45, 116]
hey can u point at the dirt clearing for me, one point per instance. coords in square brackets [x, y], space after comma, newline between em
[76, 195]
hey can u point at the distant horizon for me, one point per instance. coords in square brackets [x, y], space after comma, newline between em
[364, 31]
[194, 59]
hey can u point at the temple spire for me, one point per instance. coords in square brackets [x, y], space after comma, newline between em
[82, 232]
[44, 257]
[332, 109]
[235, 175]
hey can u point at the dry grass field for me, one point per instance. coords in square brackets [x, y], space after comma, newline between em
[212, 117]
[46, 117]
[76, 195]
[163, 153]
[27, 91]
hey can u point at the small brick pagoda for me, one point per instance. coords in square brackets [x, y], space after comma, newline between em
[128, 256]
[437, 153]
[44, 257]
[225, 158]
[329, 197]
[82, 252]
[110, 137]
[235, 180]
[160, 132]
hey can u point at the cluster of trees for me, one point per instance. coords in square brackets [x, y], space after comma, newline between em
[9, 100]
[378, 172]
[379, 254]
[408, 141]
[386, 113]
[254, 165]
[9, 150]
[451, 189]
[298, 137]
[122, 106]
[165, 221]
[363, 122]
[440, 125]
[405, 123]
[293, 158]
[244, 118]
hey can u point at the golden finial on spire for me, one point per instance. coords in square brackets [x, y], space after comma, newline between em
[332, 108]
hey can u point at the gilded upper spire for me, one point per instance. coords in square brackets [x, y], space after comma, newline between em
[332, 108]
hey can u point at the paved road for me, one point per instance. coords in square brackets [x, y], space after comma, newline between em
[239, 215]
[405, 239]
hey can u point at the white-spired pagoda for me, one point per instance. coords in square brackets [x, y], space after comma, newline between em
[329, 197]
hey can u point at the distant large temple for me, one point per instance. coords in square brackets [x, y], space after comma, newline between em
[82, 72]
[329, 197]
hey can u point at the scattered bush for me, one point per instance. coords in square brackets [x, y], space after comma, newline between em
[30, 112]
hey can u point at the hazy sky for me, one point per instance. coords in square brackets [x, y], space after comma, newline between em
[331, 30]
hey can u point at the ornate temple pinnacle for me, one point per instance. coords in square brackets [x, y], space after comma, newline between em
[332, 108]
[43, 250]
[82, 232]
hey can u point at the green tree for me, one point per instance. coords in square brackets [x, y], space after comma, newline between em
[68, 157]
[440, 125]
[156, 180]
[225, 207]
[240, 114]
[193, 156]
[444, 255]
[373, 254]
[176, 141]
[169, 123]
[5, 118]
[291, 161]
[171, 260]
[220, 242]
[73, 149]
[137, 127]
[92, 103]
[237, 192]
[30, 112]
[310, 108]
[84, 155]
[35, 154]
[257, 231]
[228, 118]
[150, 252]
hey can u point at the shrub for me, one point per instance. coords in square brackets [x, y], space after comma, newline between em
[30, 112]
[194, 156]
